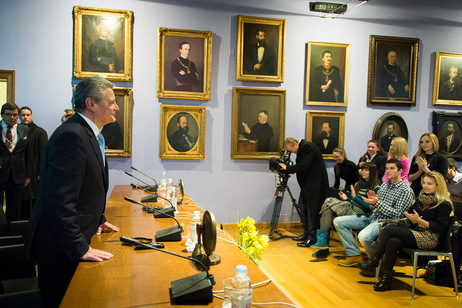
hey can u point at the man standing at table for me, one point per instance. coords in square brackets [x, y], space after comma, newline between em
[72, 196]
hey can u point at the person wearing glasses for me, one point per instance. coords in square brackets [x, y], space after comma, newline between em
[14, 161]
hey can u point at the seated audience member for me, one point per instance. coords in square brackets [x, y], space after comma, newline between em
[344, 169]
[66, 115]
[393, 198]
[427, 159]
[399, 151]
[349, 205]
[429, 218]
[374, 156]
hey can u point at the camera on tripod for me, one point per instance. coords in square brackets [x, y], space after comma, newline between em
[284, 158]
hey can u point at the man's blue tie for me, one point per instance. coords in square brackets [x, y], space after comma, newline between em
[102, 146]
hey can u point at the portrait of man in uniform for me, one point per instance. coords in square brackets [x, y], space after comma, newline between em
[327, 74]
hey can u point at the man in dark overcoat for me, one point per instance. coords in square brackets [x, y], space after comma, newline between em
[314, 184]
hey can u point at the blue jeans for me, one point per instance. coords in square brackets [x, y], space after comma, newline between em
[367, 236]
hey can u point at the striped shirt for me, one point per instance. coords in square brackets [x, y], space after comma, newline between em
[394, 199]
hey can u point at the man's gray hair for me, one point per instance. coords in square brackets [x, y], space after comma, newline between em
[93, 87]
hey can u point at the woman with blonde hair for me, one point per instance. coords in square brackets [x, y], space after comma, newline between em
[427, 159]
[428, 218]
[399, 151]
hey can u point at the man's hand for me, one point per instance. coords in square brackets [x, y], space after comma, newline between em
[27, 182]
[283, 166]
[106, 226]
[96, 255]
[257, 66]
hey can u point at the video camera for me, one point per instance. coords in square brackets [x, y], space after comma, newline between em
[284, 158]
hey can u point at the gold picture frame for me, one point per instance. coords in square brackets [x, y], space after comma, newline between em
[176, 143]
[333, 123]
[262, 112]
[118, 135]
[103, 41]
[327, 71]
[447, 86]
[7, 86]
[182, 78]
[392, 78]
[266, 67]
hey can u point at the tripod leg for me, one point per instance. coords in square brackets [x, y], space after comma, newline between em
[276, 210]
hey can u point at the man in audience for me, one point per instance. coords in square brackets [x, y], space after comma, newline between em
[312, 178]
[14, 161]
[37, 144]
[393, 198]
[72, 193]
[454, 184]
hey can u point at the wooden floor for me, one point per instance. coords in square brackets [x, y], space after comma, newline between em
[322, 283]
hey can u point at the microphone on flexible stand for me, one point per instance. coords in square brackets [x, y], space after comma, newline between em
[172, 234]
[146, 176]
[195, 289]
[152, 188]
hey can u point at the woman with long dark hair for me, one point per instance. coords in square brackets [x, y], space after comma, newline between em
[349, 205]
[429, 218]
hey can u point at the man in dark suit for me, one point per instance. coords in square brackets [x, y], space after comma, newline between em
[326, 142]
[14, 161]
[314, 184]
[180, 140]
[449, 143]
[385, 141]
[259, 58]
[72, 194]
[38, 139]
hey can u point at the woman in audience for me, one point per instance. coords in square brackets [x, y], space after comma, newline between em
[374, 156]
[399, 151]
[429, 218]
[349, 205]
[344, 169]
[427, 159]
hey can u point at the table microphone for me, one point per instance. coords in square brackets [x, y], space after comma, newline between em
[146, 175]
[172, 234]
[195, 289]
[149, 188]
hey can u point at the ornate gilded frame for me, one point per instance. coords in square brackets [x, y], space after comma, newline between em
[314, 65]
[168, 41]
[440, 121]
[124, 98]
[314, 121]
[7, 86]
[169, 115]
[119, 24]
[275, 36]
[247, 105]
[443, 63]
[377, 91]
[380, 129]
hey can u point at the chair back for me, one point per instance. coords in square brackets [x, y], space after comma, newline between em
[14, 264]
[445, 238]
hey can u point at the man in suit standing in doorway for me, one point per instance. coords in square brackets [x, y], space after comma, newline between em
[14, 161]
[72, 196]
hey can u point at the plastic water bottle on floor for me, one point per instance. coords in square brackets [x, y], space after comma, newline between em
[241, 292]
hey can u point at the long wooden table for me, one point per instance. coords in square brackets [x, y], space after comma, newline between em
[142, 278]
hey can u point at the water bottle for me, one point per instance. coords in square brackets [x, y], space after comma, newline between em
[163, 180]
[169, 186]
[241, 291]
[173, 199]
[194, 222]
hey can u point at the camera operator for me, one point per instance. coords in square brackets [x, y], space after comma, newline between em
[312, 178]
